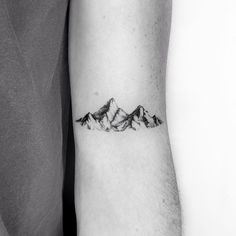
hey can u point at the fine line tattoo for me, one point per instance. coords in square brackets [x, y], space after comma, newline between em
[112, 118]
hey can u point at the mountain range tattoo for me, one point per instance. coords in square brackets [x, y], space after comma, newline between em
[112, 118]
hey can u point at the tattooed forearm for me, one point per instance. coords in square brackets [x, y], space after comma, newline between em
[112, 118]
[124, 180]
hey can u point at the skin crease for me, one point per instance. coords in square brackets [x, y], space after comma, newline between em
[125, 181]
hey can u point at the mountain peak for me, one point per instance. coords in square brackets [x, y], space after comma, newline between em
[139, 111]
[139, 108]
[88, 116]
[111, 117]
[109, 110]
[111, 100]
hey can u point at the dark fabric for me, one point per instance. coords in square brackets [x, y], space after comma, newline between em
[34, 98]
[69, 217]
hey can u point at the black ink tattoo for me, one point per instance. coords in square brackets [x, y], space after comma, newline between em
[112, 118]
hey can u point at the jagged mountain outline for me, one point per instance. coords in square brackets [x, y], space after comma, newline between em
[110, 117]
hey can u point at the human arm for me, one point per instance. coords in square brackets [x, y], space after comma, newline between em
[125, 182]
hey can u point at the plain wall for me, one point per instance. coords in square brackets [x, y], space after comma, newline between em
[201, 107]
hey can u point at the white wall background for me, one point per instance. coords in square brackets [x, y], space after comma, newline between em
[201, 106]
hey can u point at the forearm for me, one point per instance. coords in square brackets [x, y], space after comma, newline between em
[125, 182]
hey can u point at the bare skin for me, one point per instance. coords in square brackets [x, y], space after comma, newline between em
[125, 181]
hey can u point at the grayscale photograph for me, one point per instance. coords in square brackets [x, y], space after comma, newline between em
[117, 118]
